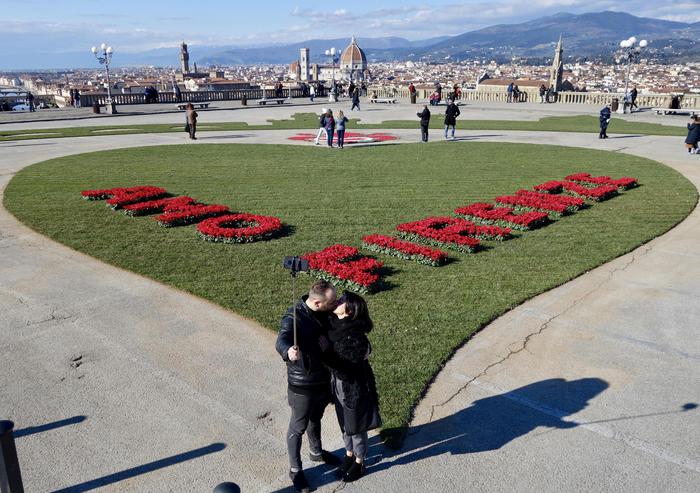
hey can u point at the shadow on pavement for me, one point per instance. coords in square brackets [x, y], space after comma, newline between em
[30, 430]
[492, 422]
[488, 424]
[143, 469]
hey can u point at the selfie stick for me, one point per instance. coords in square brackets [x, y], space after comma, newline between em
[294, 305]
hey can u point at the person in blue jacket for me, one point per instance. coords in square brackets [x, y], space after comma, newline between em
[605, 115]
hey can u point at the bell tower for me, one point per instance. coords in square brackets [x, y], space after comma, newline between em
[557, 70]
[184, 59]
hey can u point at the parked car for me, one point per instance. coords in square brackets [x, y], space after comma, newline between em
[21, 107]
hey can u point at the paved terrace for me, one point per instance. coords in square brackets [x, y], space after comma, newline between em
[140, 387]
[232, 111]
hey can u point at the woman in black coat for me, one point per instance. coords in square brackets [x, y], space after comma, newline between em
[451, 114]
[352, 380]
[691, 141]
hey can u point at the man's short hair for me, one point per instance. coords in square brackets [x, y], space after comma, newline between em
[319, 289]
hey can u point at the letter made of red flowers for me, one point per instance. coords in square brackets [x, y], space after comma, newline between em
[117, 198]
[343, 266]
[239, 228]
[182, 214]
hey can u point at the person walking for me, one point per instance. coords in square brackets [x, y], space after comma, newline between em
[312, 92]
[633, 99]
[691, 141]
[340, 129]
[177, 92]
[308, 380]
[510, 92]
[355, 99]
[352, 380]
[77, 98]
[605, 115]
[424, 123]
[30, 101]
[330, 127]
[321, 124]
[543, 91]
[191, 120]
[451, 114]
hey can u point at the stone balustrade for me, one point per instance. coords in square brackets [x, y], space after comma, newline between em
[500, 95]
[194, 96]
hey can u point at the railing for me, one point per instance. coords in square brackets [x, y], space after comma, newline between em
[196, 96]
[500, 95]
[496, 95]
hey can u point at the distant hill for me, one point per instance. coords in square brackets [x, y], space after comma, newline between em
[585, 35]
[317, 47]
[589, 34]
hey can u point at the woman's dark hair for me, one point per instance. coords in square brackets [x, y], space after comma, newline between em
[356, 308]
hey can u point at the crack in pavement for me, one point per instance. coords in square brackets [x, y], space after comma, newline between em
[542, 328]
[53, 317]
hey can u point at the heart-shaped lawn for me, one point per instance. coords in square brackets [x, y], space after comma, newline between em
[331, 196]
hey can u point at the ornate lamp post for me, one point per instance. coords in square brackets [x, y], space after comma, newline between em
[104, 56]
[629, 50]
[333, 56]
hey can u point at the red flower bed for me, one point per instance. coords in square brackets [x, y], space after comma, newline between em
[239, 228]
[404, 249]
[502, 216]
[156, 206]
[624, 183]
[119, 197]
[599, 193]
[343, 266]
[549, 187]
[556, 205]
[180, 215]
[451, 232]
[100, 194]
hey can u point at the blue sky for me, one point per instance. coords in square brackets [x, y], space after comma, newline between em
[58, 26]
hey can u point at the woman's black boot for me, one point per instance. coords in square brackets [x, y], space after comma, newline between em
[354, 473]
[348, 461]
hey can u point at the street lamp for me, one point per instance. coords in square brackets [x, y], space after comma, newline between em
[630, 50]
[104, 56]
[333, 95]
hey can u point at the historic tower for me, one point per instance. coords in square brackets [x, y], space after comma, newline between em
[184, 59]
[557, 70]
[304, 63]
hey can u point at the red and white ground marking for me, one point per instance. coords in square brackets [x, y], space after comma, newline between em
[350, 137]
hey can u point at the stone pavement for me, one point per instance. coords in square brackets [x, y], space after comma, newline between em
[232, 111]
[580, 389]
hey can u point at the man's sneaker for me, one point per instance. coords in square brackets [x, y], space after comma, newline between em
[326, 457]
[355, 472]
[299, 481]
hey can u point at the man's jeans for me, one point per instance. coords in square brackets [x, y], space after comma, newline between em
[453, 130]
[307, 411]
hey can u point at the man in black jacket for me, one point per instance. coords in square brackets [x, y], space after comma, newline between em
[424, 122]
[309, 390]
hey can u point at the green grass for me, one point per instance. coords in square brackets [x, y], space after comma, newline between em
[331, 197]
[305, 121]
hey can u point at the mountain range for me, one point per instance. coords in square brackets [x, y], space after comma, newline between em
[589, 35]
